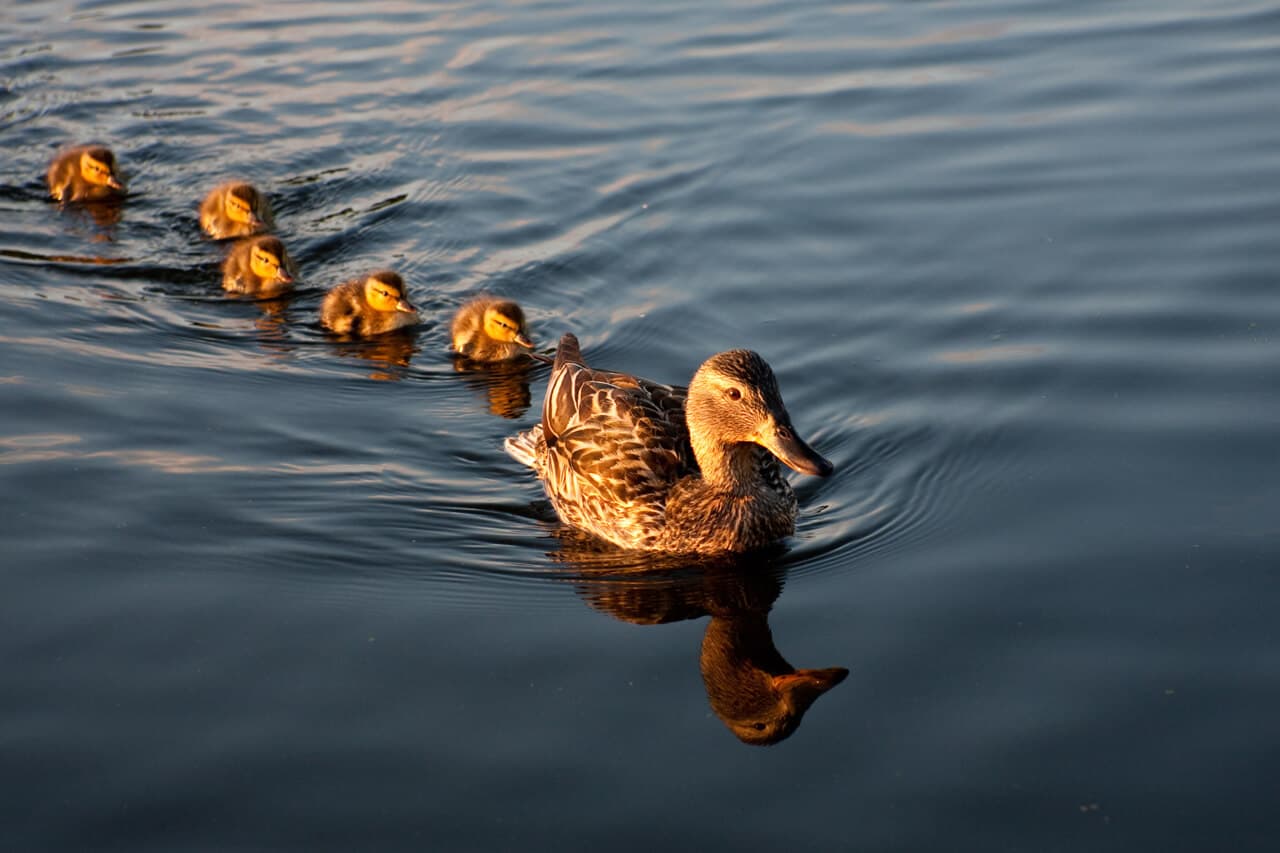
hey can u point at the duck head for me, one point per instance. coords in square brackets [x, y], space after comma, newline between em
[734, 399]
[504, 321]
[765, 709]
[384, 291]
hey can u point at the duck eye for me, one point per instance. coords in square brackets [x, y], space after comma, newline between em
[758, 726]
[733, 394]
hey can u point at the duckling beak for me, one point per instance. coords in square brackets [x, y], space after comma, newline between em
[523, 340]
[783, 442]
[114, 182]
[283, 276]
[403, 306]
[254, 220]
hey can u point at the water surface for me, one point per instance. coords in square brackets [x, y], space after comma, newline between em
[1014, 264]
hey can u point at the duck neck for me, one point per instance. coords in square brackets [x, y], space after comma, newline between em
[727, 467]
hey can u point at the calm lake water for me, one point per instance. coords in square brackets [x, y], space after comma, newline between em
[1015, 265]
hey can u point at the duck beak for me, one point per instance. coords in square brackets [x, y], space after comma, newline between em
[114, 182]
[254, 220]
[283, 276]
[781, 440]
[805, 685]
[523, 340]
[403, 306]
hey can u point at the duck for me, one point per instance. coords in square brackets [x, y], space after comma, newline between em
[85, 173]
[657, 467]
[235, 209]
[490, 329]
[368, 306]
[258, 266]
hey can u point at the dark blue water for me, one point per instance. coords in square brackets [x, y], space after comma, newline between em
[1015, 265]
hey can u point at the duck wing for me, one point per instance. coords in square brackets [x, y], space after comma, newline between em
[612, 437]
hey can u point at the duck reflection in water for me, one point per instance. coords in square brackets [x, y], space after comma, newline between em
[751, 687]
[504, 384]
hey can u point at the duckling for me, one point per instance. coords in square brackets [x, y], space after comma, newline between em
[235, 209]
[666, 468]
[258, 266]
[85, 173]
[368, 306]
[490, 329]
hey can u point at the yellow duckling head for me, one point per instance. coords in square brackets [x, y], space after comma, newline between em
[504, 321]
[268, 261]
[384, 291]
[98, 167]
[241, 203]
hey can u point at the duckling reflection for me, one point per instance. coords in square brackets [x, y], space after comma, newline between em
[275, 311]
[99, 218]
[751, 687]
[505, 385]
[390, 352]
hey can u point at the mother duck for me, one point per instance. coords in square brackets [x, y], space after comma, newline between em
[666, 468]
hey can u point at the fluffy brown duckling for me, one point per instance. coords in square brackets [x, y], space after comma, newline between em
[258, 266]
[235, 209]
[85, 173]
[368, 306]
[490, 329]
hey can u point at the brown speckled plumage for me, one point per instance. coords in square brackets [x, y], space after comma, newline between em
[347, 311]
[68, 181]
[661, 467]
[219, 225]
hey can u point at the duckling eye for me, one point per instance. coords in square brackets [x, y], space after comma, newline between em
[733, 394]
[758, 726]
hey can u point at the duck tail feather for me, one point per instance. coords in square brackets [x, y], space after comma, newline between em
[523, 446]
[569, 352]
